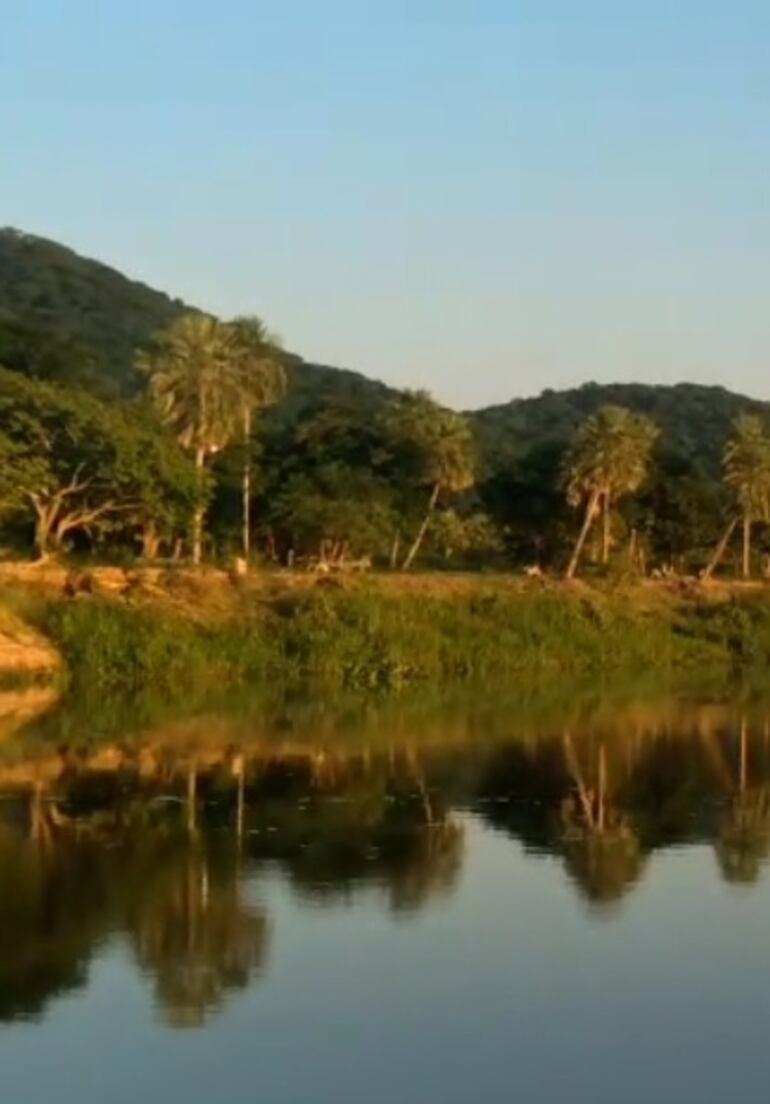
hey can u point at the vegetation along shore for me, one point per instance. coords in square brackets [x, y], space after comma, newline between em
[184, 500]
[207, 632]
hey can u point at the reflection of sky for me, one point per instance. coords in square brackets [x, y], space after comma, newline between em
[511, 988]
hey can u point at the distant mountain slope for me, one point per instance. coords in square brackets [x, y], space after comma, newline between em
[694, 419]
[67, 317]
[62, 307]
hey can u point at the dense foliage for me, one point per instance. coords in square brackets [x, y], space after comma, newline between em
[129, 422]
[369, 638]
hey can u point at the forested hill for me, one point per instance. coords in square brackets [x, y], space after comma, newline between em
[328, 465]
[76, 320]
[694, 419]
[68, 318]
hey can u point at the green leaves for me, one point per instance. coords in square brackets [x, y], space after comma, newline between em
[610, 455]
[437, 441]
[258, 364]
[746, 465]
[70, 462]
[193, 382]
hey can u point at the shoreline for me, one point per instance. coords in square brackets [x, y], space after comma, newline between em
[154, 627]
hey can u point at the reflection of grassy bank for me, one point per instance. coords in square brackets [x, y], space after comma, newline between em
[283, 720]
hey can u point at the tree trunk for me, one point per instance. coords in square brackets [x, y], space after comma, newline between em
[192, 800]
[411, 554]
[197, 541]
[150, 542]
[246, 486]
[42, 534]
[743, 770]
[606, 529]
[395, 548]
[746, 565]
[587, 523]
[632, 550]
[601, 790]
[719, 551]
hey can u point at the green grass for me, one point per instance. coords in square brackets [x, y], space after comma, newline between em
[371, 640]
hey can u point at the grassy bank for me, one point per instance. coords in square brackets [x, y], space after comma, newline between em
[376, 635]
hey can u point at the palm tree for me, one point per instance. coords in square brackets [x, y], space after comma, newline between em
[442, 448]
[609, 459]
[195, 386]
[262, 382]
[746, 464]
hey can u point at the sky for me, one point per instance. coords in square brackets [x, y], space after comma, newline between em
[483, 199]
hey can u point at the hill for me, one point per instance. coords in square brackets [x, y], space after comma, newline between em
[76, 320]
[67, 317]
[694, 420]
[79, 322]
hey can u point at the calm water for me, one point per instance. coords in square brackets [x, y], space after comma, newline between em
[417, 905]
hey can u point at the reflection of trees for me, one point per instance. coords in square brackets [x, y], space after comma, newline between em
[743, 840]
[161, 856]
[601, 846]
[155, 845]
[604, 801]
[51, 910]
[194, 936]
[562, 795]
[365, 821]
[72, 872]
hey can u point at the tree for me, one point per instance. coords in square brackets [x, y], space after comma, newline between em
[609, 459]
[439, 446]
[262, 382]
[332, 481]
[334, 510]
[196, 385]
[746, 466]
[159, 477]
[465, 538]
[74, 463]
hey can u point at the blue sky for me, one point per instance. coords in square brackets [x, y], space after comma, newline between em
[483, 199]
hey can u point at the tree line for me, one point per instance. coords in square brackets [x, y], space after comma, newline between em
[204, 462]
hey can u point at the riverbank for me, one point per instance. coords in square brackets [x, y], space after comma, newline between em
[179, 630]
[24, 651]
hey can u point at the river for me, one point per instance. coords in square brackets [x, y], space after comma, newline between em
[438, 903]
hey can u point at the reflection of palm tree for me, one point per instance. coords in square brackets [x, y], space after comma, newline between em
[336, 825]
[432, 869]
[743, 843]
[601, 848]
[52, 910]
[193, 934]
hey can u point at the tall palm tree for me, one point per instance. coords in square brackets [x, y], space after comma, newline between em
[262, 382]
[442, 445]
[608, 460]
[195, 385]
[746, 465]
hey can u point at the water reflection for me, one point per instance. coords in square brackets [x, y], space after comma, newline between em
[162, 840]
[605, 799]
[157, 848]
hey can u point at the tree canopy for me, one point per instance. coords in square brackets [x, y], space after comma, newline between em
[298, 459]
